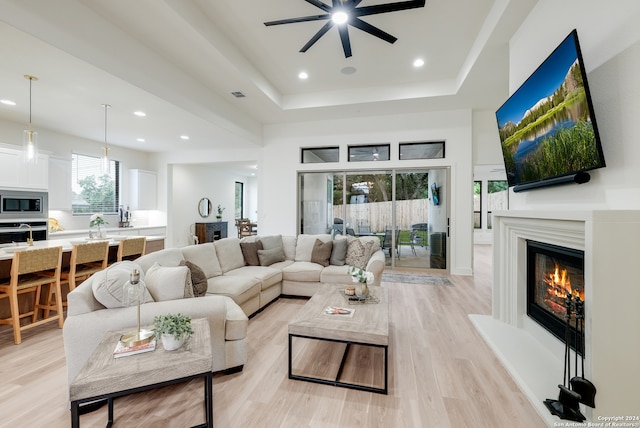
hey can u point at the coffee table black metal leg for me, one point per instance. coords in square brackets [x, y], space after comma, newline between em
[110, 418]
[75, 414]
[208, 396]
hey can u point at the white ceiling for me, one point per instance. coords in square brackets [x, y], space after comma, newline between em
[179, 61]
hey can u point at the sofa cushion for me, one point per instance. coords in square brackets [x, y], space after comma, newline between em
[321, 252]
[269, 257]
[289, 244]
[198, 278]
[107, 284]
[339, 252]
[268, 276]
[359, 252]
[302, 272]
[304, 246]
[336, 275]
[239, 288]
[205, 256]
[169, 283]
[166, 257]
[229, 254]
[272, 241]
[250, 252]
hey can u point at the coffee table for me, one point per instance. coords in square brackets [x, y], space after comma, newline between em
[106, 378]
[368, 326]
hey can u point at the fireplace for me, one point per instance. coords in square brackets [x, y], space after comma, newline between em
[553, 273]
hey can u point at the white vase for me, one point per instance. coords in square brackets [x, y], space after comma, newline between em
[170, 343]
[362, 290]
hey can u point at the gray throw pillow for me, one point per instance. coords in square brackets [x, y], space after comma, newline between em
[198, 278]
[321, 252]
[269, 257]
[250, 252]
[272, 241]
[339, 252]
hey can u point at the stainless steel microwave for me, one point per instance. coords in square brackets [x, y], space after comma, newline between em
[16, 204]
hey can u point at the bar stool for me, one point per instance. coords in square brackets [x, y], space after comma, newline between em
[131, 248]
[86, 259]
[30, 271]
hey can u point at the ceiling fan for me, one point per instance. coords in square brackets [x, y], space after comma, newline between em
[343, 13]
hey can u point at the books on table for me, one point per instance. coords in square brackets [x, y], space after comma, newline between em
[124, 351]
[338, 311]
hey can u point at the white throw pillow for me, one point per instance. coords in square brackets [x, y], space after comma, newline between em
[108, 284]
[169, 283]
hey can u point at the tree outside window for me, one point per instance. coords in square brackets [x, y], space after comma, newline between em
[94, 191]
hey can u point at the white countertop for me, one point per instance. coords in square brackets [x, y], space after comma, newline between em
[7, 250]
[66, 232]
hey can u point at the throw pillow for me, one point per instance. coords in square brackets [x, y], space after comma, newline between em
[108, 283]
[339, 252]
[321, 252]
[304, 246]
[269, 242]
[198, 278]
[358, 253]
[250, 252]
[269, 257]
[169, 283]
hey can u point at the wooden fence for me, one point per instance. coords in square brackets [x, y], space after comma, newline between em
[377, 215]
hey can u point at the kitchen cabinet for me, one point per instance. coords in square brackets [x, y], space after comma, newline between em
[15, 173]
[143, 190]
[60, 184]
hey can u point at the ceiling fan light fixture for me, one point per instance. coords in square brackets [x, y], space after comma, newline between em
[339, 17]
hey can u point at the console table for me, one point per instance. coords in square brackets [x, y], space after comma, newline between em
[211, 231]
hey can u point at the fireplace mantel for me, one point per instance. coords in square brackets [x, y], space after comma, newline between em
[611, 244]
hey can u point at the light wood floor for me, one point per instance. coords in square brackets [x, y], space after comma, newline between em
[442, 374]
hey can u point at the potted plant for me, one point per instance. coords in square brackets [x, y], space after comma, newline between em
[219, 215]
[97, 220]
[173, 329]
[361, 277]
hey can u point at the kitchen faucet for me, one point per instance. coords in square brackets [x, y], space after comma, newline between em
[30, 240]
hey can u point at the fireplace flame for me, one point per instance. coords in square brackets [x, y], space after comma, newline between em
[559, 284]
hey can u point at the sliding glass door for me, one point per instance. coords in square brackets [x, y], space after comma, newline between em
[405, 209]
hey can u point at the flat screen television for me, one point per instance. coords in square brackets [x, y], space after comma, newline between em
[547, 128]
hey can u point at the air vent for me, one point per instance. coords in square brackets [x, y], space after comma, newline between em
[238, 94]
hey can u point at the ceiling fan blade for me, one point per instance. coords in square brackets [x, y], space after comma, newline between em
[374, 31]
[319, 4]
[343, 30]
[326, 27]
[389, 7]
[301, 19]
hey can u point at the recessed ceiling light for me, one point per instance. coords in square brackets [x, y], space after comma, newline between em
[303, 75]
[418, 62]
[184, 137]
[8, 102]
[348, 70]
[339, 17]
[140, 113]
[140, 140]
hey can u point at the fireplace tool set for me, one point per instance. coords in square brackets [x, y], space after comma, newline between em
[573, 390]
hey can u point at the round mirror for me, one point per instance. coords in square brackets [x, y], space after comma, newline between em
[204, 207]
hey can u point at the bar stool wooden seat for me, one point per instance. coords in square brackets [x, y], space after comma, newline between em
[86, 259]
[30, 271]
[131, 248]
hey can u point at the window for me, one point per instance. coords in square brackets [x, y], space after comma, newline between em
[320, 154]
[93, 191]
[379, 152]
[426, 150]
[239, 208]
[477, 204]
[497, 198]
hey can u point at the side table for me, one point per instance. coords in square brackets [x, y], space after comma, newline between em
[106, 378]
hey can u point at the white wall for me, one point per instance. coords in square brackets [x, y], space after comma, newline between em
[609, 36]
[190, 183]
[281, 163]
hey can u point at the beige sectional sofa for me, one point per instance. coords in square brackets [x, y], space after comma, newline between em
[234, 289]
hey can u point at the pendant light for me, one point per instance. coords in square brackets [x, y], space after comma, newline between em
[105, 150]
[29, 136]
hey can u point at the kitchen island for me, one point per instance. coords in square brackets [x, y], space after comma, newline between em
[154, 243]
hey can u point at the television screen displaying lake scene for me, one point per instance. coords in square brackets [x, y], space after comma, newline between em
[547, 127]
